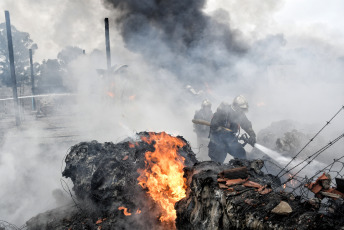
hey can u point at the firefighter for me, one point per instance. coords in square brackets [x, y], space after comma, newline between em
[225, 127]
[202, 131]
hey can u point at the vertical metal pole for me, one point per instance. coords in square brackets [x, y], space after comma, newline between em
[32, 82]
[107, 42]
[83, 52]
[13, 74]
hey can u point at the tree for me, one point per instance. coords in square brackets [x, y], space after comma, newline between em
[21, 45]
[68, 54]
[49, 77]
[53, 73]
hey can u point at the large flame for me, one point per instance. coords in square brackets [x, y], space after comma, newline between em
[163, 173]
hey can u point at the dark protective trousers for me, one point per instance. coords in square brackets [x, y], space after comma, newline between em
[222, 143]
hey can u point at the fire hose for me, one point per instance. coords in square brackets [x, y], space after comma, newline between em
[243, 137]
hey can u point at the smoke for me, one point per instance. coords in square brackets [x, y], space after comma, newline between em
[27, 166]
[297, 165]
[178, 36]
[239, 48]
[223, 48]
[53, 25]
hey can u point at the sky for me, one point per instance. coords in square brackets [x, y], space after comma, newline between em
[287, 59]
[45, 20]
[56, 24]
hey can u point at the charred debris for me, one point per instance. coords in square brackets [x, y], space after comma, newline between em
[106, 187]
[111, 192]
[240, 196]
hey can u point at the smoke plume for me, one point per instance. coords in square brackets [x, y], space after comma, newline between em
[178, 36]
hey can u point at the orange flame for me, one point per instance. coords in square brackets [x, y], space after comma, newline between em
[110, 94]
[292, 182]
[163, 174]
[125, 211]
[138, 211]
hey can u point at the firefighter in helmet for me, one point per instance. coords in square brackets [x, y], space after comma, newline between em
[224, 128]
[202, 131]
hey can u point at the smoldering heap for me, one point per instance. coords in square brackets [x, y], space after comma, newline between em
[106, 186]
[155, 182]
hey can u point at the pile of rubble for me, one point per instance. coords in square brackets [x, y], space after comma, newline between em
[240, 196]
[322, 187]
[106, 188]
[237, 195]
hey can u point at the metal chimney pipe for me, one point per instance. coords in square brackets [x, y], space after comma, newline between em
[13, 74]
[107, 42]
[32, 82]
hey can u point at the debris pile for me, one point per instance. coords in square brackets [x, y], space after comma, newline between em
[240, 196]
[322, 187]
[106, 186]
[155, 182]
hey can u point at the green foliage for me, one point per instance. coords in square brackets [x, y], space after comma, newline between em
[21, 45]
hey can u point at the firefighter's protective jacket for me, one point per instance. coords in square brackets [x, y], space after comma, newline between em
[232, 118]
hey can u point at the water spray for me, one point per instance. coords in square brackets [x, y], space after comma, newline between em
[285, 161]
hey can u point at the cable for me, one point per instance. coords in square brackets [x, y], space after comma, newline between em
[321, 170]
[327, 123]
[8, 224]
[314, 155]
[71, 195]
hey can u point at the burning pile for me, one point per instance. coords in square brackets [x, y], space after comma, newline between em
[132, 184]
[155, 182]
[163, 174]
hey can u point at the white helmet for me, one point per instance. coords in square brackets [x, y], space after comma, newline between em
[206, 103]
[241, 102]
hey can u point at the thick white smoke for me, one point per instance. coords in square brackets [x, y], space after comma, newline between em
[287, 71]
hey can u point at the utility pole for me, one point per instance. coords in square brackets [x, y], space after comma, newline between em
[107, 42]
[32, 82]
[13, 74]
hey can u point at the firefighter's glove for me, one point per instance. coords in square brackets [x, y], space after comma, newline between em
[252, 140]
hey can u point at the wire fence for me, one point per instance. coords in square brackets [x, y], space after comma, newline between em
[303, 148]
[4, 225]
[311, 189]
[327, 201]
